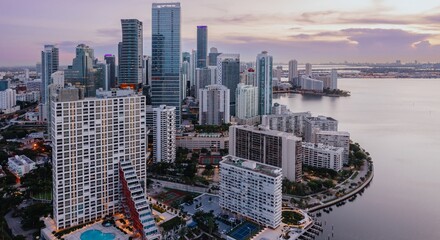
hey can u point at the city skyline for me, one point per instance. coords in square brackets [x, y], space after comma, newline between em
[371, 31]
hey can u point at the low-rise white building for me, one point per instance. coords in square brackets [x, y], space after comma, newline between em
[197, 141]
[335, 139]
[311, 84]
[322, 156]
[20, 165]
[251, 189]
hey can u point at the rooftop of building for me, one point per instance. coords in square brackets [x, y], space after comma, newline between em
[21, 160]
[262, 168]
[321, 146]
[321, 118]
[338, 133]
[266, 130]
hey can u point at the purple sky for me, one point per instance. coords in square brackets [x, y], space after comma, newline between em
[309, 31]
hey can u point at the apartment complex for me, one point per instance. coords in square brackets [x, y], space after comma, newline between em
[214, 105]
[267, 146]
[335, 139]
[322, 156]
[162, 122]
[287, 122]
[94, 140]
[251, 189]
[315, 124]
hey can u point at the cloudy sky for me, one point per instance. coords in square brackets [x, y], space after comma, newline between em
[308, 30]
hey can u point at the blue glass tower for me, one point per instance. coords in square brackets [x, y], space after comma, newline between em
[166, 57]
[202, 46]
[264, 79]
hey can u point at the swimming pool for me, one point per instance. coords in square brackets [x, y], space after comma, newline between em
[96, 235]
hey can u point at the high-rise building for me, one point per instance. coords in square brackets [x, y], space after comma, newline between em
[110, 60]
[278, 109]
[314, 124]
[204, 77]
[251, 189]
[186, 56]
[286, 122]
[249, 77]
[81, 72]
[130, 53]
[214, 105]
[228, 74]
[8, 99]
[264, 80]
[334, 79]
[49, 65]
[26, 74]
[293, 73]
[4, 84]
[212, 57]
[311, 84]
[267, 146]
[185, 78]
[38, 69]
[162, 122]
[192, 73]
[247, 101]
[322, 156]
[165, 84]
[202, 46]
[89, 168]
[335, 139]
[146, 70]
[308, 71]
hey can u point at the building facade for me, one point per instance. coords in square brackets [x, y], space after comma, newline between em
[335, 139]
[267, 146]
[49, 65]
[8, 99]
[130, 53]
[264, 79]
[214, 105]
[293, 73]
[110, 60]
[314, 124]
[247, 101]
[251, 189]
[94, 141]
[322, 156]
[166, 87]
[197, 141]
[161, 121]
[228, 74]
[202, 46]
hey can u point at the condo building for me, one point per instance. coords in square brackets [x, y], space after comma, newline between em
[251, 189]
[322, 156]
[267, 146]
[99, 149]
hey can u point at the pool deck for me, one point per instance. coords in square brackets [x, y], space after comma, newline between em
[97, 226]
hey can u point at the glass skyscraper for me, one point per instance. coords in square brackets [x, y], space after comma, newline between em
[228, 74]
[110, 60]
[166, 57]
[130, 52]
[202, 46]
[264, 80]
